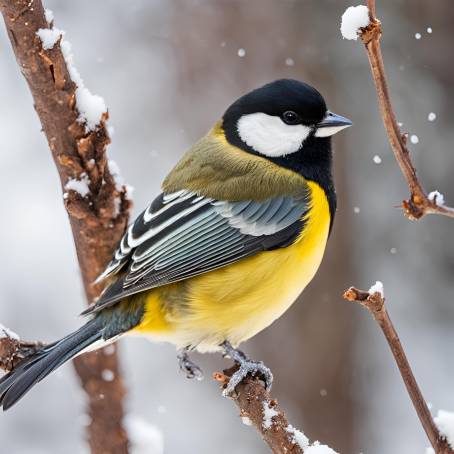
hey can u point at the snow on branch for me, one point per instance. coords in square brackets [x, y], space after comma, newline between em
[374, 301]
[259, 409]
[355, 23]
[75, 124]
[13, 349]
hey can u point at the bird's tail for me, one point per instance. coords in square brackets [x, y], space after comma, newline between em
[31, 370]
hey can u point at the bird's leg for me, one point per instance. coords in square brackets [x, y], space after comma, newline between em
[247, 366]
[187, 366]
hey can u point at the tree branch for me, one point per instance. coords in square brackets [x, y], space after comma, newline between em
[419, 203]
[375, 303]
[14, 350]
[259, 409]
[98, 218]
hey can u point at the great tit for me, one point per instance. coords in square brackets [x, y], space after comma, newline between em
[237, 233]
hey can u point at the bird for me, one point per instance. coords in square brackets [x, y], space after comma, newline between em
[236, 234]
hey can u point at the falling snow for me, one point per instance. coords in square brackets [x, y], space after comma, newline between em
[414, 139]
[377, 159]
[241, 52]
[432, 116]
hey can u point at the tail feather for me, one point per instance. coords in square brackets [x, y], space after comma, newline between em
[30, 371]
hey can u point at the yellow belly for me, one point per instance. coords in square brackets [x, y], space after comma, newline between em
[238, 301]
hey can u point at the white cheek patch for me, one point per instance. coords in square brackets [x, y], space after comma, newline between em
[270, 136]
[329, 130]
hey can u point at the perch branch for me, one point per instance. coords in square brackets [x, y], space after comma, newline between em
[98, 218]
[419, 204]
[375, 303]
[13, 350]
[252, 399]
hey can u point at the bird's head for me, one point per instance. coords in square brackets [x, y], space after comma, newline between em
[285, 121]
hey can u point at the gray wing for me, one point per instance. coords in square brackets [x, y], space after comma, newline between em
[181, 235]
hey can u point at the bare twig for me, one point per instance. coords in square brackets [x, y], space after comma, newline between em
[253, 400]
[98, 219]
[375, 303]
[419, 204]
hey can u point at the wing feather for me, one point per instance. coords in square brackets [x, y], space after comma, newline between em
[181, 235]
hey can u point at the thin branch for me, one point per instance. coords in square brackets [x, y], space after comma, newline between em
[254, 400]
[375, 303]
[98, 218]
[419, 203]
[13, 350]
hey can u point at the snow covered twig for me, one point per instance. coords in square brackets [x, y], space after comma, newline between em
[13, 349]
[419, 204]
[259, 409]
[74, 122]
[374, 301]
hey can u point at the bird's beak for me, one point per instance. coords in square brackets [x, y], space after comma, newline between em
[331, 124]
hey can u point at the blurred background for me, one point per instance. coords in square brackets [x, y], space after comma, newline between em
[167, 70]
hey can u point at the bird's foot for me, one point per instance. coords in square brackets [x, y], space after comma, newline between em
[191, 369]
[247, 367]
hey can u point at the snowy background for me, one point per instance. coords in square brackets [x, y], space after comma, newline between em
[167, 69]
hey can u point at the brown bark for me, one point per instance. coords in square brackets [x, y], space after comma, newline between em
[375, 303]
[97, 223]
[419, 203]
[251, 397]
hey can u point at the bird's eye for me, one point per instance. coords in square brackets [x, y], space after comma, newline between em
[291, 118]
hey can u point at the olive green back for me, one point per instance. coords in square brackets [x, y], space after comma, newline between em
[214, 168]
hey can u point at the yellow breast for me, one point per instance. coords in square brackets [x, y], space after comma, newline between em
[238, 301]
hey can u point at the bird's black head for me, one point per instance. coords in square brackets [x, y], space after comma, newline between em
[288, 123]
[285, 121]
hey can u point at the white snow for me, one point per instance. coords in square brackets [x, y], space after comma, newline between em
[432, 116]
[246, 421]
[353, 19]
[393, 250]
[289, 61]
[49, 15]
[377, 159]
[317, 448]
[81, 186]
[298, 437]
[437, 197]
[107, 375]
[114, 170]
[241, 52]
[418, 35]
[49, 36]
[445, 423]
[414, 139]
[356, 210]
[429, 30]
[145, 438]
[377, 288]
[268, 413]
[6, 332]
[91, 107]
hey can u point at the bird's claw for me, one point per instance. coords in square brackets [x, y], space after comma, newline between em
[247, 367]
[190, 369]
